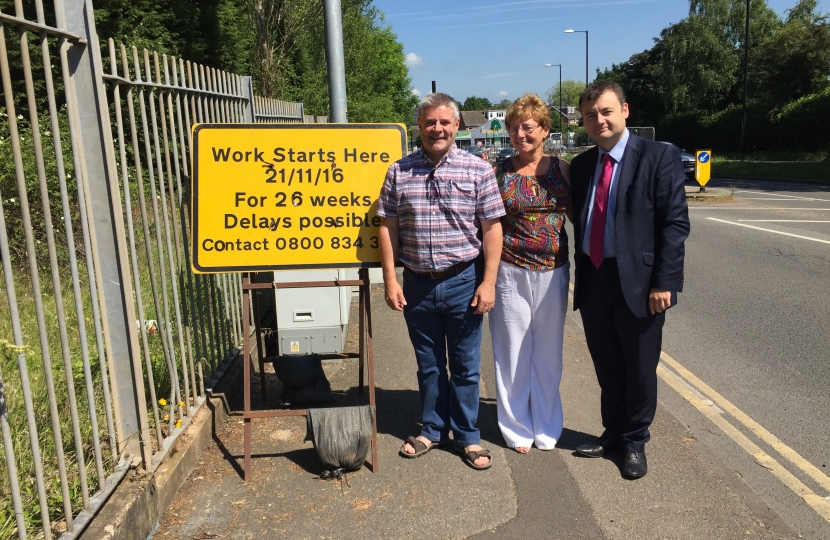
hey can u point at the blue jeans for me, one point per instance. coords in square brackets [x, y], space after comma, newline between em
[446, 334]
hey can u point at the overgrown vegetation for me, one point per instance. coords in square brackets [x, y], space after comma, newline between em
[64, 347]
[281, 43]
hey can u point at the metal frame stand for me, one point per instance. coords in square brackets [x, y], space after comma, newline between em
[365, 355]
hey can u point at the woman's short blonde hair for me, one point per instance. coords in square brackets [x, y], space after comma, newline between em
[528, 106]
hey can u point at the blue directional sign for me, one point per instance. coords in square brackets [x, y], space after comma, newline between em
[703, 167]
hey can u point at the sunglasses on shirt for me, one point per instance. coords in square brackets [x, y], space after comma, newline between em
[434, 189]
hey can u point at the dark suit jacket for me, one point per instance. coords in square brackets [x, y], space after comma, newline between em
[651, 223]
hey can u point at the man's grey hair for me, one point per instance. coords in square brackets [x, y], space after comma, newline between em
[438, 99]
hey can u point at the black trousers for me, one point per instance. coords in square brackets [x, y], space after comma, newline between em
[625, 350]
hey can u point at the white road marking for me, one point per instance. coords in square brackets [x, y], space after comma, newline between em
[768, 199]
[769, 230]
[785, 220]
[780, 195]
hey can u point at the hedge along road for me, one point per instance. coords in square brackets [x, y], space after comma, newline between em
[746, 350]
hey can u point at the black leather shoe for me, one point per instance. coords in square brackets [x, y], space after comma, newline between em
[635, 465]
[598, 448]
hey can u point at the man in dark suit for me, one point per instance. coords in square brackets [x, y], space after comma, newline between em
[630, 221]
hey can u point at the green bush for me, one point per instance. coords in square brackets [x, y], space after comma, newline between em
[801, 124]
[798, 127]
[683, 129]
[721, 131]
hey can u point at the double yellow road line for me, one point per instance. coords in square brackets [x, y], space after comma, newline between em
[712, 405]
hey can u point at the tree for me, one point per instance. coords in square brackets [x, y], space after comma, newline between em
[278, 26]
[570, 93]
[157, 25]
[690, 83]
[805, 10]
[695, 64]
[728, 18]
[217, 33]
[503, 104]
[795, 61]
[700, 66]
[641, 79]
[557, 125]
[281, 43]
[378, 87]
[234, 43]
[474, 103]
[377, 80]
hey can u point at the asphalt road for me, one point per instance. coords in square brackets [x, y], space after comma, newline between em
[753, 325]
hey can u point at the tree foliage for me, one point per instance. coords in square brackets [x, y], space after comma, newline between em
[570, 93]
[692, 78]
[474, 103]
[795, 61]
[281, 43]
[642, 78]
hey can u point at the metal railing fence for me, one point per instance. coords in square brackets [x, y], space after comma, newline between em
[110, 343]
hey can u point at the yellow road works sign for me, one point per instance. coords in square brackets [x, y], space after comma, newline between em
[703, 166]
[282, 196]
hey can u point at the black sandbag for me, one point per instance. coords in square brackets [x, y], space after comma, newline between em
[304, 380]
[342, 436]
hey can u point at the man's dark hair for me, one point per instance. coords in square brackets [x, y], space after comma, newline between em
[597, 88]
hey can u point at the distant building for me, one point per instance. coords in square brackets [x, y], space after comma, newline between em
[570, 114]
[497, 114]
[472, 120]
[488, 137]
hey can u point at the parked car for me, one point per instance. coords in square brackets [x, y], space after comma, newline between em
[688, 160]
[476, 151]
[505, 153]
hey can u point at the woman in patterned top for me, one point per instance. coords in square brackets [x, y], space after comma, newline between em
[527, 322]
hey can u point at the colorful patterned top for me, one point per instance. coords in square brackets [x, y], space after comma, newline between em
[440, 208]
[534, 232]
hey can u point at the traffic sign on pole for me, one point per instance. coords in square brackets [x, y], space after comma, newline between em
[703, 167]
[283, 196]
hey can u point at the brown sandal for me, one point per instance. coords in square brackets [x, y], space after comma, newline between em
[471, 457]
[420, 448]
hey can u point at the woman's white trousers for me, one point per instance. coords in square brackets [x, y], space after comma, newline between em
[527, 327]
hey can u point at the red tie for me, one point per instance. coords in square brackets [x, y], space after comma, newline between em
[600, 211]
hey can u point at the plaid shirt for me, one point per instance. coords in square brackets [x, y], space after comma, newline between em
[442, 228]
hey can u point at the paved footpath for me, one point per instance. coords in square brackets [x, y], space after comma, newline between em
[558, 494]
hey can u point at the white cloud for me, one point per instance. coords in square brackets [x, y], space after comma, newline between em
[413, 59]
[503, 93]
[500, 75]
[416, 92]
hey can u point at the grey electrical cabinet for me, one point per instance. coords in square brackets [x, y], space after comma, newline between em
[313, 320]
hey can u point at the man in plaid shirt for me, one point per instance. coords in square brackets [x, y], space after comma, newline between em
[440, 209]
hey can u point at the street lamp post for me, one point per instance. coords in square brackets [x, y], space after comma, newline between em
[586, 52]
[560, 89]
[746, 79]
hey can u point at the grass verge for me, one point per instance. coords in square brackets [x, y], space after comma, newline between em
[794, 170]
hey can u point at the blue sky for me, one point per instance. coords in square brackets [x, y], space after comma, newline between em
[498, 49]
